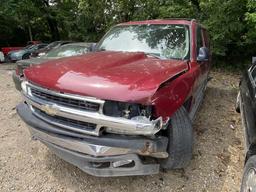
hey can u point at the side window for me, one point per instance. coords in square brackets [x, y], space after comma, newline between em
[253, 73]
[41, 46]
[206, 39]
[199, 39]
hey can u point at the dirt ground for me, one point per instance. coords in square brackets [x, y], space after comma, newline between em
[27, 165]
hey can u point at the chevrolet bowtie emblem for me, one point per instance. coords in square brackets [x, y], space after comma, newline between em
[49, 109]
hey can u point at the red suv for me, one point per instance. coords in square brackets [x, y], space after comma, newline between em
[126, 108]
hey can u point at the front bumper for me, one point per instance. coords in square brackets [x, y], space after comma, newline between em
[89, 164]
[90, 153]
[17, 81]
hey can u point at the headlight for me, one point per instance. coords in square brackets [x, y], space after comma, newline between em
[41, 54]
[126, 110]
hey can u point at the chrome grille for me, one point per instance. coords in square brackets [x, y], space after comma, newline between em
[64, 101]
[70, 112]
[76, 124]
[70, 102]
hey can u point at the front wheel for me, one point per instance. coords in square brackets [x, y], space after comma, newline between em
[180, 134]
[249, 177]
[26, 56]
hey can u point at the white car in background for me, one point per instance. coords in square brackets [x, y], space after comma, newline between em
[1, 57]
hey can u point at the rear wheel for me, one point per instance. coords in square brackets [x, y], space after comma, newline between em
[180, 133]
[249, 177]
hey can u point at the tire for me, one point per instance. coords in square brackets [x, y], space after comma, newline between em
[180, 146]
[26, 56]
[6, 60]
[238, 99]
[249, 176]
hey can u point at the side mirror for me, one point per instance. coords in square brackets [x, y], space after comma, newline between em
[203, 54]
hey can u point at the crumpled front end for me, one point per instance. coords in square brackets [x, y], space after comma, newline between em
[100, 137]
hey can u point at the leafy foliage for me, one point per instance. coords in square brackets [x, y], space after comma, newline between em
[231, 23]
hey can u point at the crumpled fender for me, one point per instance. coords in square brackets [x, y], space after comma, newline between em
[172, 94]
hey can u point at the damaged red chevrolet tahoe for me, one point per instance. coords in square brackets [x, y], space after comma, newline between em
[127, 108]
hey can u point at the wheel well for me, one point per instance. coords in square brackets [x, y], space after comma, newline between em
[26, 56]
[187, 103]
[251, 151]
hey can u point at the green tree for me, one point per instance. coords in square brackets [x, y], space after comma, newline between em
[231, 23]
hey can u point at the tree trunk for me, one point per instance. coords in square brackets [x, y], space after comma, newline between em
[50, 18]
[30, 32]
[196, 4]
[52, 23]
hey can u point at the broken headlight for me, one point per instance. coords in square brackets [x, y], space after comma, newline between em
[126, 110]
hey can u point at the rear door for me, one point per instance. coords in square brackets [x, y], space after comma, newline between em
[202, 41]
[248, 108]
[201, 70]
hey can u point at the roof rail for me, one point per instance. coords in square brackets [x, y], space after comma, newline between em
[180, 18]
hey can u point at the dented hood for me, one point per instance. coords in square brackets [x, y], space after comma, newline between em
[119, 76]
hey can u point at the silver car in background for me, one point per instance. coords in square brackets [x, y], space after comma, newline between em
[67, 50]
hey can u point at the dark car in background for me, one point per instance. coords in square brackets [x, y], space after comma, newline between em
[53, 45]
[67, 50]
[24, 53]
[246, 105]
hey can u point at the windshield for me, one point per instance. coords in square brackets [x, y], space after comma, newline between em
[165, 41]
[52, 45]
[67, 51]
[28, 46]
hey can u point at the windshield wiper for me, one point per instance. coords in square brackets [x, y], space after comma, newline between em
[155, 55]
[100, 49]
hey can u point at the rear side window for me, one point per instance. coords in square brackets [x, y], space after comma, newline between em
[199, 39]
[252, 75]
[41, 46]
